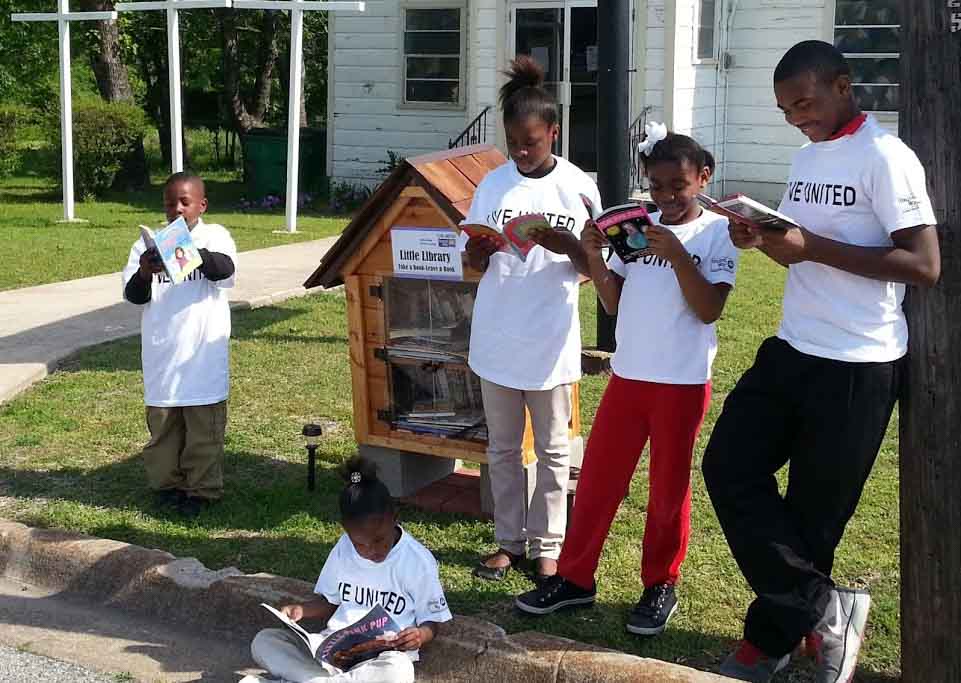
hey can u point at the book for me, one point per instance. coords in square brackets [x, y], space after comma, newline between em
[178, 254]
[624, 227]
[739, 207]
[365, 639]
[516, 237]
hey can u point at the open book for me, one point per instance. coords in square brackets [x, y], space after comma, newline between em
[741, 208]
[515, 239]
[365, 639]
[623, 226]
[178, 254]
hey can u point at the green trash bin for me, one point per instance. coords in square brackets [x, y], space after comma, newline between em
[265, 161]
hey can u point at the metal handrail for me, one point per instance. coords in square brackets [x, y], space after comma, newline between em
[636, 136]
[474, 134]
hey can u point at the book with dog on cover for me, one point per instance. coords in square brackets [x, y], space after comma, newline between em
[365, 639]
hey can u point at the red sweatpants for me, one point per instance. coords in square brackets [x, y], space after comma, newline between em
[629, 413]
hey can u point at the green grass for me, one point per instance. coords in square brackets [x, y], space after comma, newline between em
[69, 459]
[39, 250]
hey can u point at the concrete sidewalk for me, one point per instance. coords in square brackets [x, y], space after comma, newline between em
[41, 326]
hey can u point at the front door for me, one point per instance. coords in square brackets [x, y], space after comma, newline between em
[562, 36]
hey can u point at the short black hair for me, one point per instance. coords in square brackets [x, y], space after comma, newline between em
[524, 94]
[679, 148]
[822, 59]
[187, 177]
[364, 494]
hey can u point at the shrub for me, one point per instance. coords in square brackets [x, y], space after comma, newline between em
[104, 134]
[345, 197]
[12, 119]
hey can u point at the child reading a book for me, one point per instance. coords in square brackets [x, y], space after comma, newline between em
[667, 303]
[525, 340]
[375, 562]
[185, 330]
[820, 393]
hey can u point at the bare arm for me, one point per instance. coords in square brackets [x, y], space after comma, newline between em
[915, 258]
[607, 283]
[318, 608]
[705, 298]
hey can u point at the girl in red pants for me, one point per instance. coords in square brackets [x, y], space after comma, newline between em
[666, 302]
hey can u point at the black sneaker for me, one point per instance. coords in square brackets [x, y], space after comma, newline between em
[554, 594]
[652, 612]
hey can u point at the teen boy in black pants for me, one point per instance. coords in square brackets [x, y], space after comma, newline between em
[821, 392]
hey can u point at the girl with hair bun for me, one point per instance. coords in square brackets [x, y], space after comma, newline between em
[525, 334]
[374, 562]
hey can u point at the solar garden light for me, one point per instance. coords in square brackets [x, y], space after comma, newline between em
[312, 434]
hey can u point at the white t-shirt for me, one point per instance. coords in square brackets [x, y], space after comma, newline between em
[525, 332]
[857, 189]
[185, 329]
[659, 337]
[406, 584]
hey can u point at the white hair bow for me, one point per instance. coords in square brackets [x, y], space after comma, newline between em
[654, 132]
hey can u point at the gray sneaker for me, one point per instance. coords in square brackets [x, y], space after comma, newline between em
[836, 640]
[748, 663]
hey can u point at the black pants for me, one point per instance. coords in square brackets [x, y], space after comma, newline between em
[827, 418]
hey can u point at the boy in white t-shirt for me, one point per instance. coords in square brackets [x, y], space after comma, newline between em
[375, 562]
[185, 332]
[820, 393]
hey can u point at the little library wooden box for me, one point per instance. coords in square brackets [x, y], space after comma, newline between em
[413, 392]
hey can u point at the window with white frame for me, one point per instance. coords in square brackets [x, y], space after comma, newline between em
[706, 21]
[868, 33]
[433, 59]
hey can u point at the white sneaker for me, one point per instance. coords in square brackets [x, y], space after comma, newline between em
[251, 678]
[836, 641]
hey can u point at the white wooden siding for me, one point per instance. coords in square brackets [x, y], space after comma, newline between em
[365, 117]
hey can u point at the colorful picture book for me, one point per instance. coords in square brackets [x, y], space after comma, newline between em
[178, 254]
[739, 207]
[516, 237]
[365, 639]
[624, 227]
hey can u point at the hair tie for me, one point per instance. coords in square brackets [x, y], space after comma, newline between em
[654, 132]
[356, 477]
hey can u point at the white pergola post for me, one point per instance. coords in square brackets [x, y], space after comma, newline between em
[297, 9]
[63, 16]
[172, 7]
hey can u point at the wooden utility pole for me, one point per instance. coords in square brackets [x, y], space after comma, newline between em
[613, 119]
[931, 407]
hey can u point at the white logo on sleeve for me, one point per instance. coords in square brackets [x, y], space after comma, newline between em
[722, 264]
[437, 604]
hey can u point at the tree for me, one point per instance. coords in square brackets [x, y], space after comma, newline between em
[931, 408]
[249, 112]
[113, 81]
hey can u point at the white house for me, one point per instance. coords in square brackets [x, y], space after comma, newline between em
[410, 75]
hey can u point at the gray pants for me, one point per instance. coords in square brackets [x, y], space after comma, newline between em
[541, 523]
[284, 655]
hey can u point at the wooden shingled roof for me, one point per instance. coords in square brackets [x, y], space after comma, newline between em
[449, 177]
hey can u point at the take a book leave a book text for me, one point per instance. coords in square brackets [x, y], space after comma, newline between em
[178, 254]
[516, 237]
[739, 207]
[365, 639]
[623, 226]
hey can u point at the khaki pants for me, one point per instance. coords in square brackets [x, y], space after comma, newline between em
[186, 449]
[541, 523]
[283, 654]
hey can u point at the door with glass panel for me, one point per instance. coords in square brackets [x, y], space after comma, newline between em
[562, 37]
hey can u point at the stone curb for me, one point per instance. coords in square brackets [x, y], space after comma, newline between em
[182, 590]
